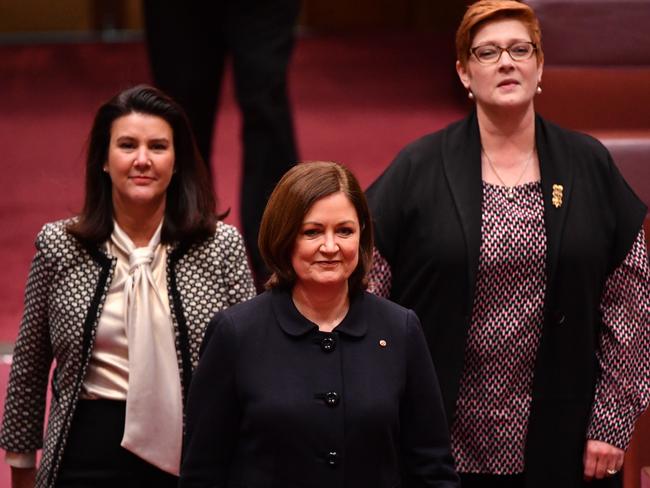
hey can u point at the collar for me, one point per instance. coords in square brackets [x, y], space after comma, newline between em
[292, 322]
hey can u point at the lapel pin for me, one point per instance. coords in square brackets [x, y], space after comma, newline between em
[383, 343]
[556, 198]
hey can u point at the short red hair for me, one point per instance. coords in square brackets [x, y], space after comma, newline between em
[484, 11]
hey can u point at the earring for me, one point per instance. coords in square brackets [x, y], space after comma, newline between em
[539, 89]
[470, 95]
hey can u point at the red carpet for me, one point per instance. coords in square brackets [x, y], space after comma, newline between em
[357, 100]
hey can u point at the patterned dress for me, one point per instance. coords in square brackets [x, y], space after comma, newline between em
[495, 393]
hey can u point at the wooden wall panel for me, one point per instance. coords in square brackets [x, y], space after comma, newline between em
[45, 15]
[133, 19]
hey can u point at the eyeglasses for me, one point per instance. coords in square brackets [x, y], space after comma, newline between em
[491, 54]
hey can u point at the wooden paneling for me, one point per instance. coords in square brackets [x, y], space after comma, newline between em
[45, 15]
[117, 14]
[133, 19]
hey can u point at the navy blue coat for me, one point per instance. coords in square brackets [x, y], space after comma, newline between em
[275, 402]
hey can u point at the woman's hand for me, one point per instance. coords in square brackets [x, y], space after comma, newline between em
[601, 460]
[23, 477]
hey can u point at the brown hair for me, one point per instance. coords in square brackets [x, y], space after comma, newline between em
[480, 13]
[290, 201]
[190, 206]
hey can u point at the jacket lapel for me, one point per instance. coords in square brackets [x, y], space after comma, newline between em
[462, 166]
[102, 266]
[557, 185]
[461, 153]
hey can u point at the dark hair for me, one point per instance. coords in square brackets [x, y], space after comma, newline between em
[190, 203]
[484, 11]
[290, 201]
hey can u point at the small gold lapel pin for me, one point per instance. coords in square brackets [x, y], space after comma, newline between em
[383, 343]
[556, 199]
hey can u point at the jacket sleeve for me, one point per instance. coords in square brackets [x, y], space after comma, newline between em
[623, 389]
[380, 276]
[424, 443]
[22, 425]
[386, 200]
[237, 272]
[213, 412]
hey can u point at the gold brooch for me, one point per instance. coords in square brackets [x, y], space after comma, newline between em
[557, 196]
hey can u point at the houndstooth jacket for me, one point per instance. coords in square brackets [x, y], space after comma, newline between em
[64, 296]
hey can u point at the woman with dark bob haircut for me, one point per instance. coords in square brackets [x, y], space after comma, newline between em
[287, 208]
[521, 248]
[119, 297]
[316, 383]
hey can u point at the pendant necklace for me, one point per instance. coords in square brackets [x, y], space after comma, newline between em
[510, 190]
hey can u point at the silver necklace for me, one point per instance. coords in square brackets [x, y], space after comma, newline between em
[510, 190]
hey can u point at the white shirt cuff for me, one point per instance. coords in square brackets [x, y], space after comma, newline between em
[21, 459]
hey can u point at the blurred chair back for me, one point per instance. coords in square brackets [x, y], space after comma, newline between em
[597, 76]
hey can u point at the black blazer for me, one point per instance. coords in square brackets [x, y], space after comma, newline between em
[427, 216]
[276, 403]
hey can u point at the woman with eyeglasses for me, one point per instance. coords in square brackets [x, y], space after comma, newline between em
[521, 248]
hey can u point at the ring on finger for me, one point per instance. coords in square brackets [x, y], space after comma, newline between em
[612, 472]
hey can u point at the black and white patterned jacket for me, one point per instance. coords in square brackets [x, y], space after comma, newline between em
[64, 296]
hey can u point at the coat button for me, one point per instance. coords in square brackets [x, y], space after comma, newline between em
[332, 399]
[328, 344]
[332, 458]
[559, 317]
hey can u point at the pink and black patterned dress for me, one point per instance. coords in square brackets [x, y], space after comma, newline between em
[494, 400]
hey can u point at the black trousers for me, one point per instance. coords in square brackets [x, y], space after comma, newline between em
[93, 457]
[468, 480]
[491, 481]
[188, 43]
